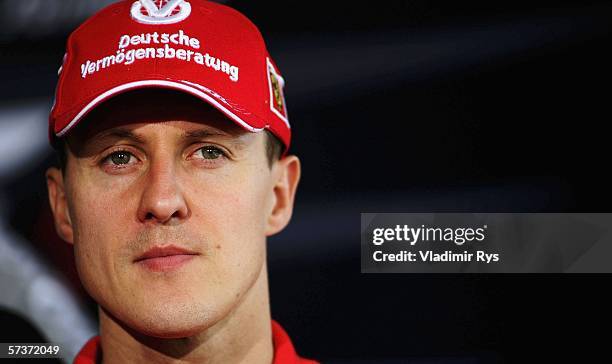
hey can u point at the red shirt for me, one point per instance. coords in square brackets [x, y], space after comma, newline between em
[284, 353]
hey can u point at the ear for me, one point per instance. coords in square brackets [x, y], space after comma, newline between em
[59, 205]
[286, 174]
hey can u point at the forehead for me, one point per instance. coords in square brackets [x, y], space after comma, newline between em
[151, 107]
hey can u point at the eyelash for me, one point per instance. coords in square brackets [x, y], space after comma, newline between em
[222, 153]
[106, 159]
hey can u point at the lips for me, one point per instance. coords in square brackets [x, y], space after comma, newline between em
[161, 259]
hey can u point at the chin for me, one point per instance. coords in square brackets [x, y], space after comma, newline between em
[174, 325]
[171, 333]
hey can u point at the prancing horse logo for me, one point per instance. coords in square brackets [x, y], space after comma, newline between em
[164, 13]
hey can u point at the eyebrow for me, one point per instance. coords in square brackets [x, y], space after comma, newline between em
[203, 133]
[121, 133]
[207, 133]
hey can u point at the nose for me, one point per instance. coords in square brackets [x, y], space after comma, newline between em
[162, 200]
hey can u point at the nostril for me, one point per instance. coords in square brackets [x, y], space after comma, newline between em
[149, 216]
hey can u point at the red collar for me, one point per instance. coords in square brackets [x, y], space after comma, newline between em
[284, 353]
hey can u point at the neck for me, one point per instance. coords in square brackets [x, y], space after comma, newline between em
[244, 335]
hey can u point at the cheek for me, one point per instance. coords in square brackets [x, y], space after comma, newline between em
[233, 212]
[99, 214]
[101, 210]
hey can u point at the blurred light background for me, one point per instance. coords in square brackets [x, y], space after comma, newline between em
[411, 106]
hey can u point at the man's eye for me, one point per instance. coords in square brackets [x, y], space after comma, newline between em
[210, 152]
[119, 158]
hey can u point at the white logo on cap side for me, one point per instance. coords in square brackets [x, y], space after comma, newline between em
[160, 14]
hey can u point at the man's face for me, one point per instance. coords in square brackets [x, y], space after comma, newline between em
[181, 176]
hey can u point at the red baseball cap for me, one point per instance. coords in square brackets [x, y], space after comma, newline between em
[199, 47]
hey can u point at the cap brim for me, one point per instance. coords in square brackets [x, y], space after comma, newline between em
[234, 112]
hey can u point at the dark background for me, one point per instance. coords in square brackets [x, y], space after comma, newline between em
[412, 106]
